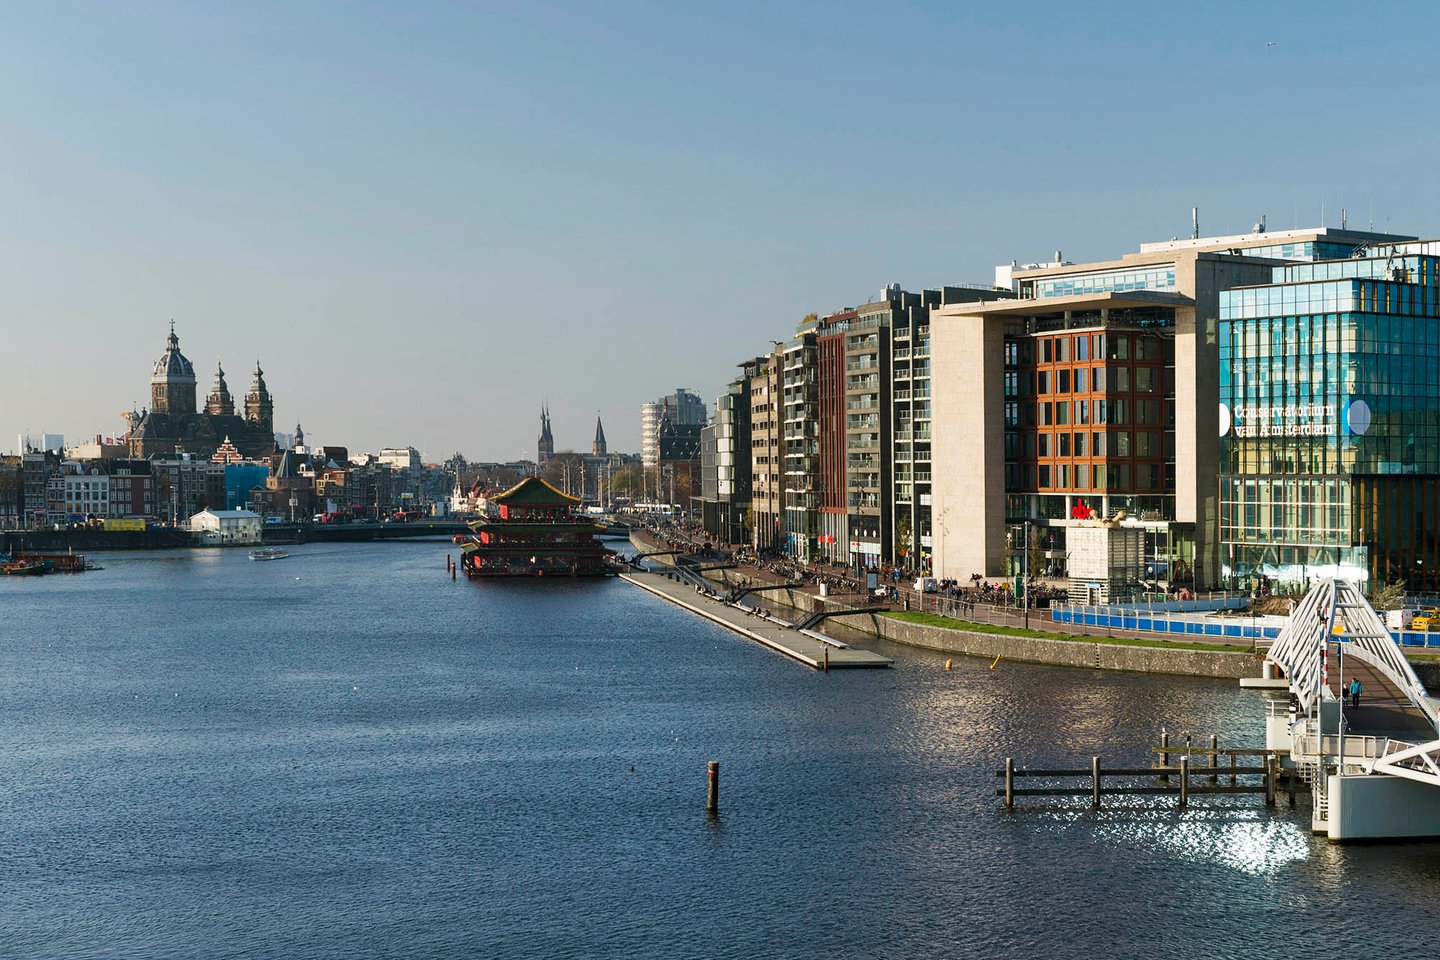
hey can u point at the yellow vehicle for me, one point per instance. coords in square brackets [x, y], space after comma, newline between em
[1426, 620]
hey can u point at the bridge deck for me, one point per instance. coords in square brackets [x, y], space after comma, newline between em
[778, 635]
[1383, 711]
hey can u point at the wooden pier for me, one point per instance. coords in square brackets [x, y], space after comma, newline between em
[1181, 780]
[810, 648]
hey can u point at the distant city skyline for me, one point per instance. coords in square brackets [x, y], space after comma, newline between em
[428, 220]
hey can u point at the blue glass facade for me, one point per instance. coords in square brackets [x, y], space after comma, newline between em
[1108, 281]
[1330, 422]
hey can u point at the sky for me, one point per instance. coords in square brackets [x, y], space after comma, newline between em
[426, 220]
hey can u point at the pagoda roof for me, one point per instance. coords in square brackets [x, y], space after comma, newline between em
[528, 526]
[536, 492]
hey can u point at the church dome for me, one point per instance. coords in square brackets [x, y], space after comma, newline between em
[173, 366]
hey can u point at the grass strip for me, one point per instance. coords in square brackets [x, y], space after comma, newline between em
[949, 623]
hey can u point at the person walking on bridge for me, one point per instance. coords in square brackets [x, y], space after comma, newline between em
[1355, 688]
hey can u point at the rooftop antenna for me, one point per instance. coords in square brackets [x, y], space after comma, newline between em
[1342, 218]
[1194, 223]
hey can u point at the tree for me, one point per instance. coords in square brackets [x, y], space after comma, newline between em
[566, 471]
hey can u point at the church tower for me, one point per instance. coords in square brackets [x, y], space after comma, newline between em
[172, 387]
[220, 402]
[598, 448]
[259, 408]
[547, 440]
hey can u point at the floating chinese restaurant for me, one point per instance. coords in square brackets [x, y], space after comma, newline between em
[532, 530]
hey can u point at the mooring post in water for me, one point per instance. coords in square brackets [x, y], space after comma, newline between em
[1164, 754]
[712, 787]
[452, 571]
[1094, 783]
[1009, 783]
[1214, 758]
[827, 657]
[1184, 782]
[1269, 781]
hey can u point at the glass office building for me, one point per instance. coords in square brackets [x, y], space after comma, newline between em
[1330, 422]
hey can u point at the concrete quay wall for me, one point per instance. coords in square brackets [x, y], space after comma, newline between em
[1066, 653]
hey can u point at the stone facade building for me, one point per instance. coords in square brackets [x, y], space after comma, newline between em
[174, 424]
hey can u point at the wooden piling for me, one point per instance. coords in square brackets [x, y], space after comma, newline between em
[1009, 783]
[1270, 781]
[453, 569]
[1164, 754]
[826, 668]
[1214, 758]
[712, 787]
[1094, 783]
[1184, 782]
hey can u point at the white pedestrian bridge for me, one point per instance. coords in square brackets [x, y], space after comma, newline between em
[1374, 770]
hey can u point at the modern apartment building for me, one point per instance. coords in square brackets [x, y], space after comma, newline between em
[799, 441]
[681, 409]
[909, 496]
[1329, 420]
[1095, 394]
[725, 460]
[874, 428]
[766, 454]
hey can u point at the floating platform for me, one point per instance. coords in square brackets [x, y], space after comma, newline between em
[809, 647]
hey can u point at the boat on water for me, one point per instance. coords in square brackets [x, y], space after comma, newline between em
[24, 563]
[533, 530]
[269, 553]
[25, 568]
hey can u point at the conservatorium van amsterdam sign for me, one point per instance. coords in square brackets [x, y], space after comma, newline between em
[1279, 420]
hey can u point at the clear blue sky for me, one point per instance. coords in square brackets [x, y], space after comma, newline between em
[426, 218]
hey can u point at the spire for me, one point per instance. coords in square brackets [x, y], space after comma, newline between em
[599, 449]
[220, 402]
[259, 407]
[299, 437]
[546, 447]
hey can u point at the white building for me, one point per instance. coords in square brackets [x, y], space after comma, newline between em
[223, 528]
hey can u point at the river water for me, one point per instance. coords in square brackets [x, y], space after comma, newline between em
[346, 754]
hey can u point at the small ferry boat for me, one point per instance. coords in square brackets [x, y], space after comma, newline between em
[269, 553]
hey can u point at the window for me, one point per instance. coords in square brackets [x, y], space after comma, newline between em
[1082, 411]
[1043, 444]
[1144, 379]
[1042, 382]
[1122, 379]
[1079, 444]
[1062, 350]
[1082, 347]
[1082, 381]
[1062, 411]
[1119, 347]
[1064, 439]
[1120, 443]
[1063, 381]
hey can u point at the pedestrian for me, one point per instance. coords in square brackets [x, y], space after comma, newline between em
[1355, 689]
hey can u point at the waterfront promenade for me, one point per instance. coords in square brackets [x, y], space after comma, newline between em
[752, 622]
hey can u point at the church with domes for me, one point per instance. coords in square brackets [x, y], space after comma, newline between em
[173, 423]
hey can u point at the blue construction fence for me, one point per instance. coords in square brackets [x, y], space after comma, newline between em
[1155, 620]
